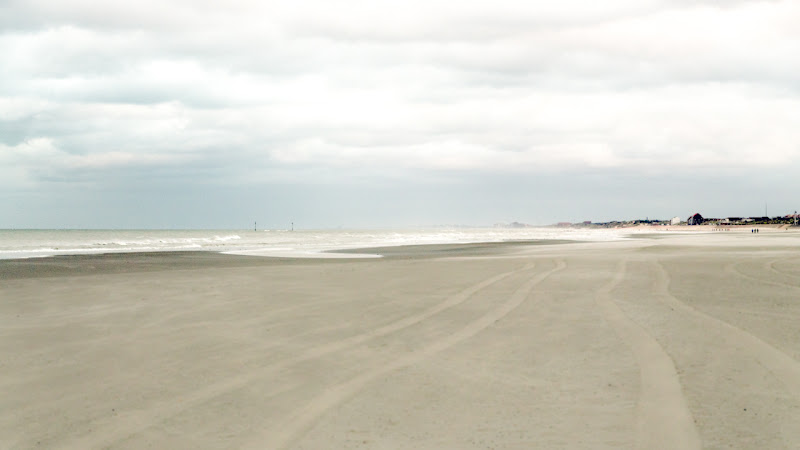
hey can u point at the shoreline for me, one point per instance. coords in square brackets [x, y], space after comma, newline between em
[154, 261]
[302, 244]
[27, 244]
[150, 261]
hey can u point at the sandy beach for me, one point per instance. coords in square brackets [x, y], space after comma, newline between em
[664, 341]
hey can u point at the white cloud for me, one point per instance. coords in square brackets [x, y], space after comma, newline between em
[501, 86]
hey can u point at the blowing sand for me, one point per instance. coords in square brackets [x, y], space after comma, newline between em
[667, 341]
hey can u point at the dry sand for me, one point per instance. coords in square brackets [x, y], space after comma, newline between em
[662, 342]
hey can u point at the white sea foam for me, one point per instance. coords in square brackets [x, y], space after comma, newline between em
[35, 243]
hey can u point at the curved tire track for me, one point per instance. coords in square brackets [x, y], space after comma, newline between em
[664, 419]
[771, 267]
[142, 419]
[731, 268]
[783, 366]
[303, 420]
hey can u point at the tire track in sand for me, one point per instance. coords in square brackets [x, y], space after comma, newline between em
[731, 268]
[664, 419]
[783, 366]
[142, 419]
[302, 420]
[771, 266]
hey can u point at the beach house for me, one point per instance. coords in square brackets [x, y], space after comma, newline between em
[695, 219]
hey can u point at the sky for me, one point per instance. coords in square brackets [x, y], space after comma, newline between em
[358, 114]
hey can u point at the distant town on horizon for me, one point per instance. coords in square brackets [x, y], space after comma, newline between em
[693, 220]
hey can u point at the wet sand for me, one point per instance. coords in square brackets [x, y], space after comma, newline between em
[684, 341]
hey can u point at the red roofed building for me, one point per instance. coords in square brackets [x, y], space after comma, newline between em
[695, 219]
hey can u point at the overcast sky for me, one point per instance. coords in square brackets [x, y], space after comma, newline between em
[192, 114]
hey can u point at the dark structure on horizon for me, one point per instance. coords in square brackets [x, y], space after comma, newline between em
[695, 219]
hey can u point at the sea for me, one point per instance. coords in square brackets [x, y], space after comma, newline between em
[312, 243]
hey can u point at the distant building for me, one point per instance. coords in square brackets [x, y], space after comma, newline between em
[675, 221]
[695, 219]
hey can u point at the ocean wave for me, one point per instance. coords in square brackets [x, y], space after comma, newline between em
[17, 244]
[232, 237]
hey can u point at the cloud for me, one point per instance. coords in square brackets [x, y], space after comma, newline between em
[248, 92]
